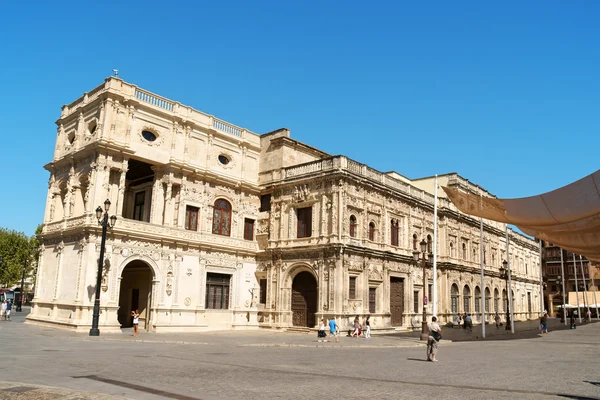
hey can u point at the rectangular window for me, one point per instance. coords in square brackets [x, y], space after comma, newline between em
[265, 202]
[217, 291]
[430, 292]
[372, 293]
[263, 291]
[138, 206]
[191, 218]
[248, 229]
[416, 302]
[394, 233]
[352, 290]
[304, 222]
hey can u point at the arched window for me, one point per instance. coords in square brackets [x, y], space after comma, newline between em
[429, 244]
[477, 300]
[454, 299]
[488, 295]
[504, 301]
[372, 231]
[353, 226]
[464, 251]
[394, 232]
[496, 300]
[466, 299]
[222, 218]
[451, 249]
[415, 242]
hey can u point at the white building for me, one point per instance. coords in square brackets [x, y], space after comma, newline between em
[220, 228]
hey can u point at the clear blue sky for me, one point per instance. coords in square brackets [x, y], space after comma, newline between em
[505, 94]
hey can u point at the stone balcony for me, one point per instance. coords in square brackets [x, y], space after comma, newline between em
[163, 233]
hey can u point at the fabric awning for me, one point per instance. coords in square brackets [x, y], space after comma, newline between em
[568, 217]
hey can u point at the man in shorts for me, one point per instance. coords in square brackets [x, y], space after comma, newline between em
[333, 329]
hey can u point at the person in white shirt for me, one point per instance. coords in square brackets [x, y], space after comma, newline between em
[3, 310]
[434, 337]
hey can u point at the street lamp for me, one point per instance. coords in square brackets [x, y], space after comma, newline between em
[103, 220]
[416, 253]
[504, 275]
[562, 300]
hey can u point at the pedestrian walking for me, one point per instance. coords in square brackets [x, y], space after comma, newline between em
[368, 325]
[469, 323]
[357, 328]
[458, 320]
[321, 335]
[432, 341]
[588, 315]
[544, 322]
[136, 321]
[572, 320]
[333, 330]
[8, 309]
[498, 320]
[3, 310]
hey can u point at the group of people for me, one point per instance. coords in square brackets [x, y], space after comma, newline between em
[334, 329]
[466, 320]
[6, 309]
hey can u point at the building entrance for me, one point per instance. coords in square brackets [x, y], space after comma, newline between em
[304, 300]
[396, 300]
[135, 294]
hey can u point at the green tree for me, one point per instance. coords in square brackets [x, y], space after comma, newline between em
[17, 250]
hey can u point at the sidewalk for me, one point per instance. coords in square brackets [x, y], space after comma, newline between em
[18, 391]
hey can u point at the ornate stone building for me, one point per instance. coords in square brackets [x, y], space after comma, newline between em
[222, 228]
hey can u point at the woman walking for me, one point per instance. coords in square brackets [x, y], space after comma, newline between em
[136, 321]
[322, 336]
[368, 324]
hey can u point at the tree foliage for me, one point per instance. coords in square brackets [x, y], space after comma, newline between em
[17, 251]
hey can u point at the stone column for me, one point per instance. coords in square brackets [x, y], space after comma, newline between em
[168, 218]
[158, 205]
[121, 191]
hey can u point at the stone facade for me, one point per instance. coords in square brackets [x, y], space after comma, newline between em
[220, 228]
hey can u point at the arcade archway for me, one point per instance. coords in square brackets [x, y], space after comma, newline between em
[304, 299]
[135, 294]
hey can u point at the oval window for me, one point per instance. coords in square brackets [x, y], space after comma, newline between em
[223, 159]
[149, 136]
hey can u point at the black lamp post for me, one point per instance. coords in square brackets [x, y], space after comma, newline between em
[504, 275]
[103, 220]
[20, 303]
[562, 300]
[423, 244]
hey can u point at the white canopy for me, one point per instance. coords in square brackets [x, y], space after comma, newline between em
[568, 217]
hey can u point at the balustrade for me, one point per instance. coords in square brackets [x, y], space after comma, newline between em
[154, 100]
[227, 128]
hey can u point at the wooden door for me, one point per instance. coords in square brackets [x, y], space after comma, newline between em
[396, 300]
[304, 300]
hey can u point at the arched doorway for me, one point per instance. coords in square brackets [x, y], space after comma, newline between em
[135, 294]
[304, 299]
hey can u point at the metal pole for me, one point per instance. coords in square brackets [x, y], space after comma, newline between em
[585, 302]
[509, 294]
[94, 331]
[595, 288]
[482, 278]
[542, 282]
[562, 270]
[576, 287]
[424, 329]
[435, 223]
[20, 304]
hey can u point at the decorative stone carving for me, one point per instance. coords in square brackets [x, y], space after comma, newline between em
[187, 301]
[169, 282]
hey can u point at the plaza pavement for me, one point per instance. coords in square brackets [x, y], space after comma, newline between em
[44, 363]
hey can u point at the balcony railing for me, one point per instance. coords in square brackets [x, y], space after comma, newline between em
[154, 100]
[227, 128]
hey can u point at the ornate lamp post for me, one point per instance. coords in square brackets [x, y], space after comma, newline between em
[423, 244]
[504, 275]
[103, 220]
